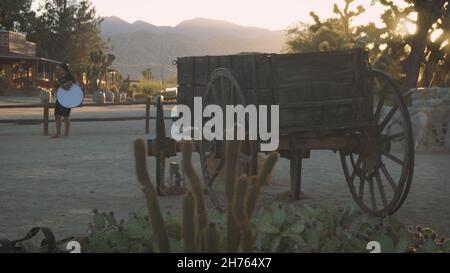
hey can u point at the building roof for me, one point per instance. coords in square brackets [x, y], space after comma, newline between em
[20, 57]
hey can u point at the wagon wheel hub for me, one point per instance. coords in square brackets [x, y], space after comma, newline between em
[371, 151]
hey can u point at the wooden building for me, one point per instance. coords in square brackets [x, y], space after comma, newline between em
[20, 68]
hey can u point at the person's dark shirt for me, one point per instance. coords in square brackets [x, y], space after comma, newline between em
[66, 77]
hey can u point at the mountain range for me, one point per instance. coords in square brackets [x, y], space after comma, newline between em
[140, 45]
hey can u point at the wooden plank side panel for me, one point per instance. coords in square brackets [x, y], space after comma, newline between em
[317, 91]
[321, 89]
[263, 76]
[264, 96]
[244, 70]
[313, 90]
[185, 67]
[301, 67]
[337, 115]
[185, 95]
[202, 70]
[251, 70]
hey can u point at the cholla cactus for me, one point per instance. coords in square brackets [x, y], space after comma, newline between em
[198, 234]
[154, 211]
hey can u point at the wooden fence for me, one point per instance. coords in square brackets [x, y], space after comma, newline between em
[46, 106]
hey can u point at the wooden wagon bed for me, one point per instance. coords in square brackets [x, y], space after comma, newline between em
[318, 90]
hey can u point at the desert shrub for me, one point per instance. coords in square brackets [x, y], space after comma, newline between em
[113, 88]
[148, 87]
[278, 228]
[140, 97]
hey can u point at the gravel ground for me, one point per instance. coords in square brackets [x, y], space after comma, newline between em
[57, 183]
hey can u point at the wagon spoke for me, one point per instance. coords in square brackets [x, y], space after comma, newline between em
[355, 169]
[379, 107]
[202, 154]
[393, 157]
[394, 136]
[361, 188]
[388, 177]
[372, 194]
[358, 162]
[381, 188]
[207, 178]
[388, 117]
[352, 160]
[216, 172]
[379, 86]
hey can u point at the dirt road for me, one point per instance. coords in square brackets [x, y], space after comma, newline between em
[56, 183]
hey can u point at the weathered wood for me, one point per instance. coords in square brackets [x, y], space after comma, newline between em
[295, 104]
[333, 86]
[46, 116]
[335, 142]
[296, 173]
[52, 105]
[22, 106]
[329, 84]
[41, 121]
[46, 106]
[147, 116]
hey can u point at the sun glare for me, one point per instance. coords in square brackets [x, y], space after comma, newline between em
[411, 28]
[436, 34]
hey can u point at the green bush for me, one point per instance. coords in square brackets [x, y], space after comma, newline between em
[140, 96]
[149, 87]
[279, 228]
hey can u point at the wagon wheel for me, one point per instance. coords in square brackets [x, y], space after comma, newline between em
[159, 145]
[380, 169]
[222, 89]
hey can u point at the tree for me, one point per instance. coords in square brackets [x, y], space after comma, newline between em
[346, 16]
[68, 31]
[16, 15]
[428, 12]
[86, 36]
[410, 58]
[323, 35]
[147, 74]
[99, 67]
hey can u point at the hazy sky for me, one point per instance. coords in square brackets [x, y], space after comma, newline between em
[272, 14]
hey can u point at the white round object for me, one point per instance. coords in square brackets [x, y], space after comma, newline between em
[70, 98]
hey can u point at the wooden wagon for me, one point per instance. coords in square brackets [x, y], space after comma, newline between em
[327, 100]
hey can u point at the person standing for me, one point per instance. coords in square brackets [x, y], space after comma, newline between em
[65, 82]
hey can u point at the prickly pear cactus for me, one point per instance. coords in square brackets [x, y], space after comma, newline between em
[278, 228]
[285, 228]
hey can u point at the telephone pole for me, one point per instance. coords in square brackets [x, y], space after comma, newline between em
[162, 76]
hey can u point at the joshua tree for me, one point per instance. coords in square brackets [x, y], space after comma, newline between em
[100, 64]
[147, 74]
